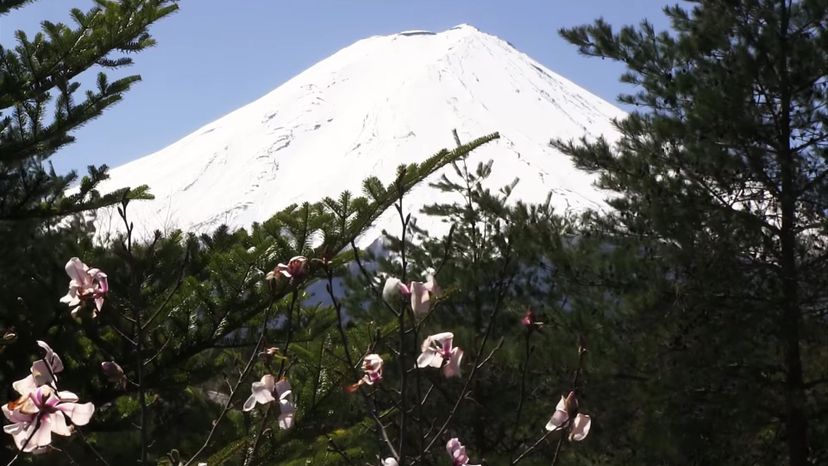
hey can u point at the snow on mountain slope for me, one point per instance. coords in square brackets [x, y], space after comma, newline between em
[379, 103]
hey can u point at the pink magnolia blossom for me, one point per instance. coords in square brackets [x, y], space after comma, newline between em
[458, 453]
[269, 353]
[286, 404]
[564, 411]
[41, 413]
[263, 393]
[392, 289]
[530, 320]
[43, 372]
[85, 284]
[114, 374]
[437, 351]
[372, 368]
[293, 270]
[420, 292]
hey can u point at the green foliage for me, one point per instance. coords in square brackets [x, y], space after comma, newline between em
[720, 232]
[38, 76]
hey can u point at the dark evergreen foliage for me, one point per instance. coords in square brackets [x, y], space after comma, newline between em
[722, 206]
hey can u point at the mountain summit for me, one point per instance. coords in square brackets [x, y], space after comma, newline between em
[378, 103]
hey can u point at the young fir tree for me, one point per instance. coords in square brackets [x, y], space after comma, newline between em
[494, 266]
[722, 175]
[41, 103]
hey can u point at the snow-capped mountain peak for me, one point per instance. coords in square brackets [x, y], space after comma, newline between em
[379, 103]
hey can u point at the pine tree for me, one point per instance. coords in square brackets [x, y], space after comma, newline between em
[41, 104]
[39, 76]
[722, 173]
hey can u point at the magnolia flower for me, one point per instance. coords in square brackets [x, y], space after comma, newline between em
[566, 408]
[286, 404]
[458, 453]
[420, 292]
[41, 413]
[263, 391]
[295, 269]
[372, 367]
[392, 288]
[85, 284]
[269, 353]
[530, 320]
[390, 462]
[43, 372]
[114, 374]
[437, 351]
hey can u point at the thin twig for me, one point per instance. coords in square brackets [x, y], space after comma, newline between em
[289, 336]
[253, 355]
[339, 450]
[531, 448]
[89, 445]
[581, 352]
[338, 307]
[474, 369]
[251, 452]
[172, 292]
[522, 396]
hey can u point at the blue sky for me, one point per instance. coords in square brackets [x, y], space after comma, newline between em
[215, 56]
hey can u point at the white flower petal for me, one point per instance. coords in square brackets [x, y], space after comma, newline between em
[262, 393]
[429, 358]
[76, 270]
[580, 427]
[68, 396]
[25, 386]
[42, 436]
[420, 298]
[79, 413]
[59, 425]
[20, 432]
[51, 357]
[452, 368]
[250, 403]
[391, 290]
[286, 419]
[281, 387]
[557, 421]
[561, 406]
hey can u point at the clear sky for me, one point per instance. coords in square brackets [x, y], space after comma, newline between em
[215, 56]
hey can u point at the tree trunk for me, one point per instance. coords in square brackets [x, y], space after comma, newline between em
[795, 418]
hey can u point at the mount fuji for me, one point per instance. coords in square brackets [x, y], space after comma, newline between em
[378, 103]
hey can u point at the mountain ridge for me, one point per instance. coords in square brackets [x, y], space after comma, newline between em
[378, 103]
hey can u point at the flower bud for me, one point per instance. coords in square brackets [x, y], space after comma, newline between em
[114, 374]
[530, 320]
